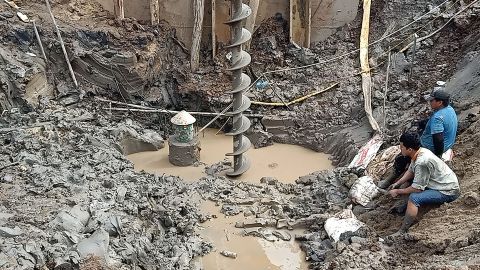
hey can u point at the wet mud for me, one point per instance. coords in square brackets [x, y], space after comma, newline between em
[66, 186]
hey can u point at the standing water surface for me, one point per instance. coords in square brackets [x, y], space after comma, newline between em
[283, 161]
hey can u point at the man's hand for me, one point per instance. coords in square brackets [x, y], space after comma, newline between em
[394, 186]
[394, 193]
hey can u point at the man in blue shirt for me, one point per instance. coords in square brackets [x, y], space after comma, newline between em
[441, 129]
[438, 136]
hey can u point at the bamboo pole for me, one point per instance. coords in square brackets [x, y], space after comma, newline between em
[175, 112]
[224, 124]
[280, 97]
[198, 6]
[61, 44]
[39, 42]
[123, 103]
[139, 108]
[215, 118]
[154, 10]
[214, 30]
[366, 74]
[415, 36]
[308, 22]
[386, 89]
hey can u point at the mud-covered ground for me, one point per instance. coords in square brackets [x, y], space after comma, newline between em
[67, 189]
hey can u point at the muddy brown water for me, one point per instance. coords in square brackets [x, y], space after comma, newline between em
[252, 252]
[282, 161]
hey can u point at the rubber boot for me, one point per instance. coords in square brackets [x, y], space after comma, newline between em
[406, 224]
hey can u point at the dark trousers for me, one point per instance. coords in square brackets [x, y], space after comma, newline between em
[400, 165]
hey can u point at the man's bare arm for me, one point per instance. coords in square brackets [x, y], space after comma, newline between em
[403, 191]
[408, 190]
[408, 175]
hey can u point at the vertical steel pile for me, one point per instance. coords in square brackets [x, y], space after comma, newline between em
[241, 82]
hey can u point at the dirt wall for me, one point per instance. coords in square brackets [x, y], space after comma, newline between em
[138, 9]
[327, 15]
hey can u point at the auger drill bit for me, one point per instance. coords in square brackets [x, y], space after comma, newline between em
[241, 81]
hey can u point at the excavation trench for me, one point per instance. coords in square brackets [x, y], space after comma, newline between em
[281, 161]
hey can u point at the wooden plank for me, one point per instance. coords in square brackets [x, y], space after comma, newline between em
[154, 12]
[300, 22]
[198, 6]
[214, 30]
[119, 9]
[222, 30]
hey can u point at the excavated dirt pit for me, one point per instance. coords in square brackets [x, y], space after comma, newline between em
[282, 161]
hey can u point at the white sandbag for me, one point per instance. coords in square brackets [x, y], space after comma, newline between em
[342, 222]
[448, 156]
[363, 190]
[382, 163]
[367, 153]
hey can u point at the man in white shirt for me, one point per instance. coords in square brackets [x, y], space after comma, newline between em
[433, 181]
[438, 135]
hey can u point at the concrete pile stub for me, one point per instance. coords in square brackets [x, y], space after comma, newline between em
[184, 145]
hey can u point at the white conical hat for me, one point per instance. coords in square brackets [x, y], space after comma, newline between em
[183, 118]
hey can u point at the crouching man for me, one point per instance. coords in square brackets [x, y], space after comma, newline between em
[433, 181]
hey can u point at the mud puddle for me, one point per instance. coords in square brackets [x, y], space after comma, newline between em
[282, 161]
[252, 252]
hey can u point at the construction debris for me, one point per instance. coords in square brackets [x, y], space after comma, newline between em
[71, 199]
[229, 254]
